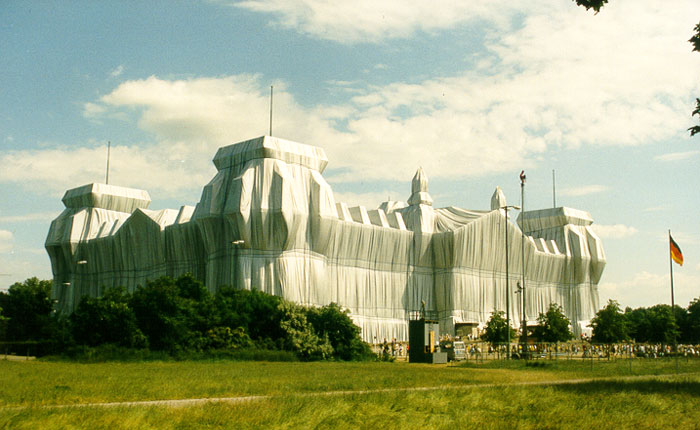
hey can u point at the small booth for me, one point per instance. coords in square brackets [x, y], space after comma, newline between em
[424, 341]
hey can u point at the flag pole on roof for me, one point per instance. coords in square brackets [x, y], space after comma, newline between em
[554, 190]
[109, 147]
[270, 110]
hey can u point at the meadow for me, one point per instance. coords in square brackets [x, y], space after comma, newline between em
[649, 394]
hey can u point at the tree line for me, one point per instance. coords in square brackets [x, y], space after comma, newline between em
[659, 324]
[180, 316]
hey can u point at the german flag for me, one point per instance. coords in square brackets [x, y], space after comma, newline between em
[676, 253]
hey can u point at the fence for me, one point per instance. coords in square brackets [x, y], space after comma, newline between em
[25, 349]
[582, 352]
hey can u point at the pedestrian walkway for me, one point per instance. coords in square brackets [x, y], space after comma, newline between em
[178, 403]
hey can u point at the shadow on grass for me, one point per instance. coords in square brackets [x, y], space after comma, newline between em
[645, 387]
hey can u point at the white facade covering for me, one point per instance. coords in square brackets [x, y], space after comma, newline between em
[299, 243]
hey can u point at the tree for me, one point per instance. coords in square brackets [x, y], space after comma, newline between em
[334, 323]
[662, 324]
[693, 322]
[299, 336]
[680, 314]
[496, 330]
[696, 128]
[28, 309]
[592, 4]
[174, 314]
[3, 325]
[255, 312]
[553, 325]
[609, 324]
[695, 41]
[107, 319]
[656, 324]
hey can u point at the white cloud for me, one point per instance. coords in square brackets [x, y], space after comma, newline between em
[38, 216]
[562, 78]
[91, 110]
[369, 21]
[656, 209]
[583, 190]
[6, 241]
[647, 289]
[677, 156]
[615, 231]
[117, 72]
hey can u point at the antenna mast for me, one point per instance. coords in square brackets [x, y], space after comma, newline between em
[271, 110]
[554, 190]
[109, 147]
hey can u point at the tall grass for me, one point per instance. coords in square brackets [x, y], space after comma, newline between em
[656, 403]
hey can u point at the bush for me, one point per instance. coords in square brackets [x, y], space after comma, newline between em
[226, 338]
[255, 312]
[299, 335]
[609, 324]
[334, 323]
[28, 308]
[107, 320]
[174, 315]
[496, 330]
[553, 325]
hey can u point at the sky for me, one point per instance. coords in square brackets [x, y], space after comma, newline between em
[474, 92]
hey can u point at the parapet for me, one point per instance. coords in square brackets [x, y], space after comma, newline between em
[551, 218]
[110, 197]
[236, 155]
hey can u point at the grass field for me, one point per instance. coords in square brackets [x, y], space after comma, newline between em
[31, 391]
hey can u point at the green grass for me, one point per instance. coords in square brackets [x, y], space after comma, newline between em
[27, 387]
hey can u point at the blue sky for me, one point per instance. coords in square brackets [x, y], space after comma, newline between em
[472, 92]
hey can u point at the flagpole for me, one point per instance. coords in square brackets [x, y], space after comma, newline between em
[670, 259]
[673, 303]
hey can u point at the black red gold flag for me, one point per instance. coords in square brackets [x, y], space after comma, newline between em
[676, 253]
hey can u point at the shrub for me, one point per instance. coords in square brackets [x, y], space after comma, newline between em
[609, 324]
[174, 315]
[28, 308]
[334, 323]
[299, 335]
[107, 320]
[553, 325]
[496, 330]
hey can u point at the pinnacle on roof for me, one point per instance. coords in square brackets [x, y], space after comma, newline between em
[419, 189]
[498, 200]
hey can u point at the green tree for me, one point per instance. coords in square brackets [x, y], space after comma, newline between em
[656, 324]
[334, 323]
[609, 324]
[637, 324]
[174, 314]
[299, 335]
[662, 324]
[107, 319]
[255, 312]
[28, 308]
[496, 330]
[553, 325]
[596, 5]
[3, 325]
[692, 326]
[680, 314]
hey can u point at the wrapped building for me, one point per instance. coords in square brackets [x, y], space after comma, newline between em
[268, 220]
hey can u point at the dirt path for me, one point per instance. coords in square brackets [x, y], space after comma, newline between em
[243, 399]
